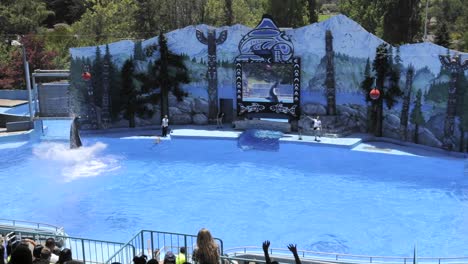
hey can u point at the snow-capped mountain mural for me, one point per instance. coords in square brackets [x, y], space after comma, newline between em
[353, 48]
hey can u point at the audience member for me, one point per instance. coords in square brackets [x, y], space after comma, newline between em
[66, 257]
[152, 261]
[140, 259]
[21, 255]
[169, 258]
[44, 257]
[2, 254]
[37, 253]
[293, 249]
[181, 256]
[265, 247]
[207, 251]
[50, 244]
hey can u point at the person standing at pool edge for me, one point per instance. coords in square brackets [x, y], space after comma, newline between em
[164, 125]
[317, 126]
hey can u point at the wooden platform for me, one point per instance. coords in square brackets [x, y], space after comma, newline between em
[11, 103]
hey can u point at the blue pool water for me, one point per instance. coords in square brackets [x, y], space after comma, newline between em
[322, 198]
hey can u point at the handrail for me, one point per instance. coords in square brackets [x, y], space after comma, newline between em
[344, 256]
[13, 223]
[155, 240]
[83, 249]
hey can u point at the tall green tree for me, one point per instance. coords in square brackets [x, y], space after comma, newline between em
[65, 11]
[106, 21]
[290, 13]
[313, 11]
[366, 86]
[96, 71]
[402, 21]
[129, 92]
[20, 17]
[396, 21]
[368, 13]
[387, 79]
[442, 36]
[229, 12]
[171, 73]
[417, 117]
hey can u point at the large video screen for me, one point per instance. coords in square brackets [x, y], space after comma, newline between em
[264, 82]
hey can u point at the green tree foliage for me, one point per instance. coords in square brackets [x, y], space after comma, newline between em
[396, 21]
[312, 9]
[387, 79]
[96, 72]
[290, 13]
[442, 36]
[368, 13]
[138, 53]
[20, 17]
[37, 56]
[402, 21]
[65, 11]
[170, 72]
[129, 92]
[114, 85]
[454, 14]
[59, 40]
[417, 117]
[367, 83]
[106, 21]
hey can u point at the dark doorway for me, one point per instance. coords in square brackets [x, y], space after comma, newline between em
[225, 106]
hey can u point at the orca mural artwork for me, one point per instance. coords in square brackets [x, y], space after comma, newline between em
[267, 73]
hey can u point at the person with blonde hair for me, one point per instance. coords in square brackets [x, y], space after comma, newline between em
[207, 251]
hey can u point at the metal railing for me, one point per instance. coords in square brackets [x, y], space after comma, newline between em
[154, 244]
[83, 249]
[7, 225]
[313, 256]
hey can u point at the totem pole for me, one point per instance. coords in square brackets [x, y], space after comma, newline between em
[330, 77]
[105, 112]
[456, 67]
[211, 74]
[91, 108]
[406, 104]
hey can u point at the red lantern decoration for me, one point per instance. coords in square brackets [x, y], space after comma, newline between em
[374, 94]
[86, 76]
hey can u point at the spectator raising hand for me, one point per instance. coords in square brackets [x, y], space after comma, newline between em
[293, 249]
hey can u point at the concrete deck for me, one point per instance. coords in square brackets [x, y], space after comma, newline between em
[11, 103]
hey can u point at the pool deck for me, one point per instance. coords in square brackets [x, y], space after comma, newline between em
[355, 142]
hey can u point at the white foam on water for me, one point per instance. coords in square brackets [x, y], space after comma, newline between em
[86, 161]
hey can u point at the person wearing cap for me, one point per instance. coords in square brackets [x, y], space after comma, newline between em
[169, 258]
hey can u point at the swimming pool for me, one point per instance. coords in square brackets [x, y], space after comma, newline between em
[322, 198]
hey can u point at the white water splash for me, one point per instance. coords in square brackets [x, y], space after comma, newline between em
[86, 161]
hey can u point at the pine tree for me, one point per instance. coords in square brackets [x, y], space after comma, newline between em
[171, 73]
[129, 92]
[384, 70]
[229, 12]
[138, 53]
[313, 17]
[330, 77]
[442, 36]
[417, 117]
[366, 86]
[97, 77]
[406, 103]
